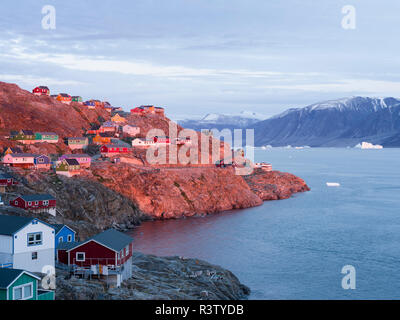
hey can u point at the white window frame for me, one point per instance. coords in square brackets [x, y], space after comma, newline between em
[80, 260]
[37, 255]
[60, 239]
[35, 242]
[23, 291]
[69, 238]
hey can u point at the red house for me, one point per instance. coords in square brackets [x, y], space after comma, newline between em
[161, 140]
[107, 253]
[138, 110]
[7, 181]
[110, 149]
[36, 203]
[41, 91]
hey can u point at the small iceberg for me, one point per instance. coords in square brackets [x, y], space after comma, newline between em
[367, 145]
[333, 184]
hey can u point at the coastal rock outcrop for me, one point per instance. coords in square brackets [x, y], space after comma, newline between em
[155, 278]
[164, 193]
[275, 185]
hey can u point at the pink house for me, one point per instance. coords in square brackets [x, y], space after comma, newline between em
[84, 159]
[23, 160]
[130, 130]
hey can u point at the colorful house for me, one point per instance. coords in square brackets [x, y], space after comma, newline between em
[64, 98]
[113, 149]
[118, 119]
[90, 104]
[49, 137]
[109, 126]
[17, 284]
[84, 160]
[21, 160]
[12, 150]
[36, 203]
[77, 99]
[23, 136]
[130, 130]
[26, 243]
[108, 253]
[102, 138]
[41, 91]
[68, 167]
[75, 143]
[7, 180]
[63, 233]
[159, 140]
[42, 162]
[159, 111]
[143, 142]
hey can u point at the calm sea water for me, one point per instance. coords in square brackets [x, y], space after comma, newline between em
[296, 248]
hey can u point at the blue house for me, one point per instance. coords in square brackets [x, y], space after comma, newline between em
[63, 234]
[42, 162]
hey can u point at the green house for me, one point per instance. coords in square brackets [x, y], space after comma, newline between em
[77, 99]
[47, 137]
[18, 284]
[22, 135]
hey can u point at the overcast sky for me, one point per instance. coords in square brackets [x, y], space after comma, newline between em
[201, 56]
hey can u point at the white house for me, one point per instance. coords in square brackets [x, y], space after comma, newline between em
[142, 142]
[26, 243]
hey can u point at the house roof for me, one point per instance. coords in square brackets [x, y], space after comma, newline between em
[8, 276]
[65, 95]
[5, 176]
[11, 224]
[13, 149]
[23, 155]
[58, 227]
[43, 87]
[68, 245]
[37, 197]
[113, 239]
[72, 162]
[27, 132]
[48, 133]
[77, 138]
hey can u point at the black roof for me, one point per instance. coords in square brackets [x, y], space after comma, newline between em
[113, 239]
[37, 197]
[72, 162]
[7, 276]
[27, 132]
[11, 224]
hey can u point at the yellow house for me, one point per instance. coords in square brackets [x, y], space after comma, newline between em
[101, 139]
[117, 118]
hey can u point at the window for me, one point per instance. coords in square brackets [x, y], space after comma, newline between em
[127, 249]
[45, 202]
[80, 256]
[69, 238]
[23, 292]
[60, 239]
[34, 255]
[16, 203]
[34, 239]
[36, 203]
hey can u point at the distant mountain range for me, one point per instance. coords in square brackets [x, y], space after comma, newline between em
[223, 121]
[335, 123]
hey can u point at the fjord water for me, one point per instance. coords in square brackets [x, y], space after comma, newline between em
[296, 248]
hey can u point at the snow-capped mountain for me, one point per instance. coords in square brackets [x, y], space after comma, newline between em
[222, 121]
[342, 122]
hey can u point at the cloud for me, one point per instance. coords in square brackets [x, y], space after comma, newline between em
[32, 80]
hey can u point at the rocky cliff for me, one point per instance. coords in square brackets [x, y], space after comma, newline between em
[155, 278]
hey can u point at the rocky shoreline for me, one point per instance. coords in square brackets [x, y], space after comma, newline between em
[158, 278]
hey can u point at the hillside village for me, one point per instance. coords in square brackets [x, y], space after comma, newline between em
[50, 169]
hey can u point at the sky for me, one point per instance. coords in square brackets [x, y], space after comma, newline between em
[195, 57]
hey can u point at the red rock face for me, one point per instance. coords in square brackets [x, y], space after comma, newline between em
[275, 185]
[173, 193]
